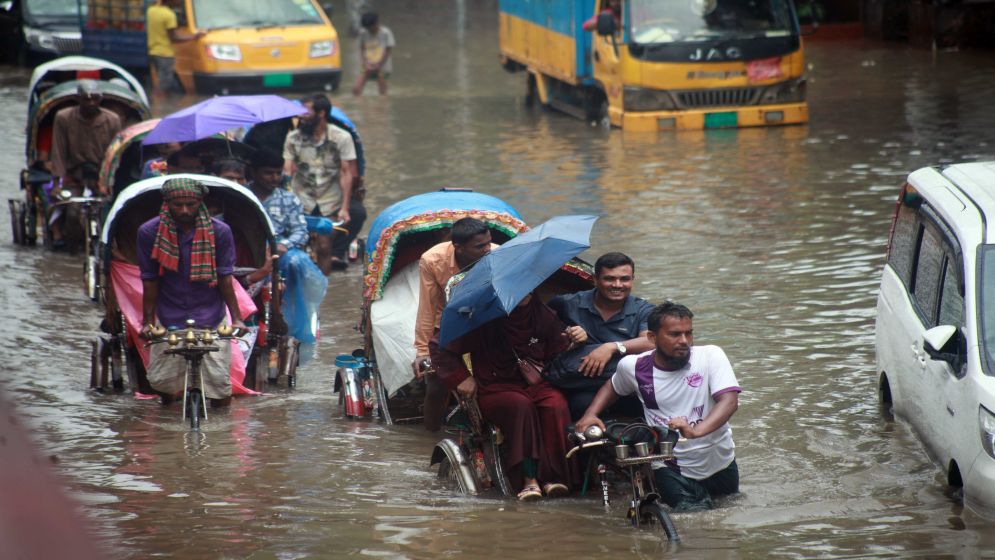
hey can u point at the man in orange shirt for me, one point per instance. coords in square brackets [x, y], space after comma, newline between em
[470, 239]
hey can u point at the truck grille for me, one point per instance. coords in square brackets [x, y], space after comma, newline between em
[67, 45]
[717, 97]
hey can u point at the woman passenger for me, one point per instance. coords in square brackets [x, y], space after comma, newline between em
[532, 417]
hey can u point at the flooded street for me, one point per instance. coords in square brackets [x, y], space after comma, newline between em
[774, 237]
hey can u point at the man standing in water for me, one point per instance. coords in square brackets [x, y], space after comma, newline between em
[470, 239]
[687, 388]
[321, 161]
[162, 31]
[186, 259]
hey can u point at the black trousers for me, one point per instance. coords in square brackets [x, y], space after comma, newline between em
[357, 217]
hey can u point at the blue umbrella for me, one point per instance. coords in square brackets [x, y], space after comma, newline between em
[219, 114]
[502, 279]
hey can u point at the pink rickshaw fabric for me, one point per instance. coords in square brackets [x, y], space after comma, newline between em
[128, 290]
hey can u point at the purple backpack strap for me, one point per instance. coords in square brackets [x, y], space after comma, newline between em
[644, 379]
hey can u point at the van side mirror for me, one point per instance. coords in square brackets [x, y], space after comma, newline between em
[941, 343]
[327, 7]
[606, 24]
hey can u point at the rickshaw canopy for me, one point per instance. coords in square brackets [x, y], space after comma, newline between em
[70, 68]
[136, 191]
[115, 151]
[426, 212]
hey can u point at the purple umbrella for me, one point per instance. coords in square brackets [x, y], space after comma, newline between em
[219, 114]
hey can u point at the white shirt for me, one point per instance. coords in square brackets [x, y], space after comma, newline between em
[690, 393]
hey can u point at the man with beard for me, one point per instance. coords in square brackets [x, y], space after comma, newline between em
[321, 161]
[687, 388]
[186, 259]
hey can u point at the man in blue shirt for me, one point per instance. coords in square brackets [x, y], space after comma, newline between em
[284, 208]
[615, 322]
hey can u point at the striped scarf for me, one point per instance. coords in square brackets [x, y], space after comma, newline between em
[166, 249]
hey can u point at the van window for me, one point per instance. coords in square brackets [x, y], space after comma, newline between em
[926, 282]
[212, 14]
[951, 301]
[903, 243]
[986, 306]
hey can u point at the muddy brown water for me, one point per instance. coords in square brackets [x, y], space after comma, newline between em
[774, 237]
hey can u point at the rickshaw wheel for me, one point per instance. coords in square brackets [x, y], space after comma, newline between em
[290, 362]
[655, 515]
[96, 365]
[90, 272]
[30, 223]
[17, 221]
[195, 408]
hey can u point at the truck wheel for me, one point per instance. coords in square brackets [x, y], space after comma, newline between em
[595, 105]
[531, 92]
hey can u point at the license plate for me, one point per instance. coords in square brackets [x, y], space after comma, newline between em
[720, 120]
[278, 80]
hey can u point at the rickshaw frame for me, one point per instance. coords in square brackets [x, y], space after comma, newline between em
[116, 346]
[397, 238]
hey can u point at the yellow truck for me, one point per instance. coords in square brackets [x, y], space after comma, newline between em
[648, 65]
[249, 45]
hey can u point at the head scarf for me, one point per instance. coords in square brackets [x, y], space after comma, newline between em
[166, 249]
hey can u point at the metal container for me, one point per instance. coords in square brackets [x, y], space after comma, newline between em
[642, 448]
[622, 451]
[666, 448]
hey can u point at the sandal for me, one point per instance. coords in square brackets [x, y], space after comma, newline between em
[555, 489]
[530, 493]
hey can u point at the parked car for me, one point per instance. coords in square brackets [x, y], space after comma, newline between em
[34, 30]
[935, 331]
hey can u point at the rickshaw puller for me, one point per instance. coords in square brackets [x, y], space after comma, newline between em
[687, 388]
[186, 260]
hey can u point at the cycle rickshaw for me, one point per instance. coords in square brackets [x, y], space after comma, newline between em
[119, 353]
[40, 188]
[379, 380]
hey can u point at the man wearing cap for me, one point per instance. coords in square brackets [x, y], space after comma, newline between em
[186, 259]
[80, 136]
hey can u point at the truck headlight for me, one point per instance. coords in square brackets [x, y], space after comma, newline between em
[322, 48]
[790, 91]
[642, 99]
[986, 426]
[224, 52]
[39, 38]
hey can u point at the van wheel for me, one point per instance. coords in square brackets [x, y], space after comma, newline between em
[885, 403]
[953, 475]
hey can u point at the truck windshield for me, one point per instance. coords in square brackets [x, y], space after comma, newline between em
[54, 8]
[688, 21]
[986, 308]
[211, 14]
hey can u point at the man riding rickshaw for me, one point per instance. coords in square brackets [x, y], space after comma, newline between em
[395, 243]
[120, 352]
[70, 125]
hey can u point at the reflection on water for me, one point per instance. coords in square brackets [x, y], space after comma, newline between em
[774, 237]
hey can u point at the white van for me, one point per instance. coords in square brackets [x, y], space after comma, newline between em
[935, 331]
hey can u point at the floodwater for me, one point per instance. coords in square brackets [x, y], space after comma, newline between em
[774, 237]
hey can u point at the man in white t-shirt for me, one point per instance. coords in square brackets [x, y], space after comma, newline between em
[687, 388]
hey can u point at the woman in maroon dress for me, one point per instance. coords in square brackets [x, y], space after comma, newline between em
[532, 417]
